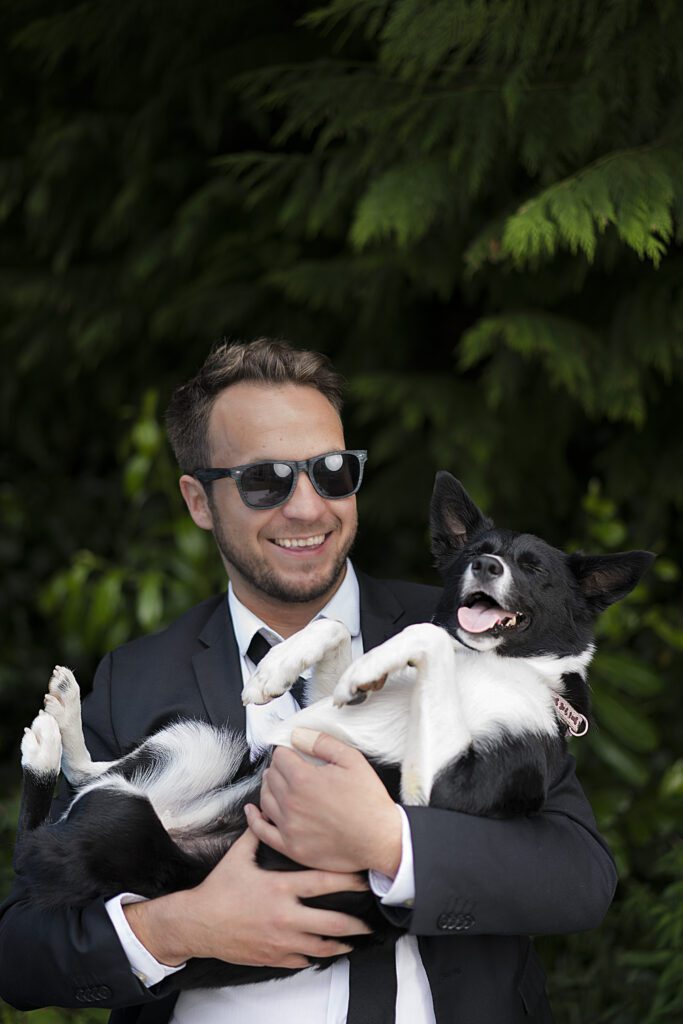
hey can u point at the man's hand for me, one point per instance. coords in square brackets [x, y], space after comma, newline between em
[245, 915]
[335, 817]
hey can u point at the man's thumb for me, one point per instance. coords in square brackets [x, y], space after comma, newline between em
[322, 746]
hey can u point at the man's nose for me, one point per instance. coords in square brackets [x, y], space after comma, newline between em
[305, 503]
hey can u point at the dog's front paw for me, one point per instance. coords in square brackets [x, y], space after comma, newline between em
[63, 699]
[41, 746]
[285, 661]
[273, 677]
[361, 678]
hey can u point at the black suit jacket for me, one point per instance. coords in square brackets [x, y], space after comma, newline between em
[482, 886]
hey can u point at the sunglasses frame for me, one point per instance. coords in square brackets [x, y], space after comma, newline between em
[208, 475]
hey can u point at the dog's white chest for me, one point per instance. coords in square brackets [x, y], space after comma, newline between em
[503, 695]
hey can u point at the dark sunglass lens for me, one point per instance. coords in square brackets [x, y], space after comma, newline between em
[337, 474]
[266, 484]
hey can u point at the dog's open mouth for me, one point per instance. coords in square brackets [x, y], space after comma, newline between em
[481, 614]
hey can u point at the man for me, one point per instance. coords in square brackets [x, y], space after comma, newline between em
[468, 890]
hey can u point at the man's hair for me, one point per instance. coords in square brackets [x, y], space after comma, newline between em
[264, 361]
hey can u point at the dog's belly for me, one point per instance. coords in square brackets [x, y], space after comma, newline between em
[378, 727]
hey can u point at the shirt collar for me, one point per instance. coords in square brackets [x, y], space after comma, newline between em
[344, 606]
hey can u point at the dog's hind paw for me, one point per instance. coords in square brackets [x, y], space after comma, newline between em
[41, 746]
[63, 699]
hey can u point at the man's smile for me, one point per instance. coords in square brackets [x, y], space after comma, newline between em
[312, 542]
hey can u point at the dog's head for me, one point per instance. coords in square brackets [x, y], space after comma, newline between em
[514, 593]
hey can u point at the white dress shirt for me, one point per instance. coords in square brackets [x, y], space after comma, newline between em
[310, 996]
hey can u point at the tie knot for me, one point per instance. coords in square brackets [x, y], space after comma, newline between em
[258, 648]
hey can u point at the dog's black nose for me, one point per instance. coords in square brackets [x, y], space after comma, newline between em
[486, 566]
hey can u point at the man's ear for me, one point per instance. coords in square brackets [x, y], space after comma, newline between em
[605, 579]
[196, 500]
[453, 517]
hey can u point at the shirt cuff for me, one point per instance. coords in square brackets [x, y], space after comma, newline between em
[143, 965]
[398, 891]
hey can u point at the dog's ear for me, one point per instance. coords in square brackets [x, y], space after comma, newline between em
[453, 517]
[605, 579]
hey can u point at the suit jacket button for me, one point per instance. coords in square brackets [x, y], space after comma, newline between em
[446, 922]
[79, 995]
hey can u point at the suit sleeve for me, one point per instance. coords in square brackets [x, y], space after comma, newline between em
[547, 873]
[68, 957]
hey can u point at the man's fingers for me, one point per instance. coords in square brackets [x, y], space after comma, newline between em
[294, 960]
[275, 783]
[325, 747]
[321, 947]
[314, 946]
[332, 924]
[263, 831]
[322, 883]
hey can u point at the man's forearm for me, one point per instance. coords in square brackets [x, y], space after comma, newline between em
[161, 926]
[244, 915]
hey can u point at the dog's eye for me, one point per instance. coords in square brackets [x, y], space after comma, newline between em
[531, 565]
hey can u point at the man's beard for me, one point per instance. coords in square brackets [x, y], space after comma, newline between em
[265, 579]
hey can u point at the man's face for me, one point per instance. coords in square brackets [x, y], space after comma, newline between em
[252, 422]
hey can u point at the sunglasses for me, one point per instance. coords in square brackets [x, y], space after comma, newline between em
[266, 485]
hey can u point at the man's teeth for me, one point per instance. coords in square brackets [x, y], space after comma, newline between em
[300, 542]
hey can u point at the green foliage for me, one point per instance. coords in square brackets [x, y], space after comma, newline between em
[52, 1015]
[159, 561]
[634, 192]
[634, 696]
[628, 971]
[475, 207]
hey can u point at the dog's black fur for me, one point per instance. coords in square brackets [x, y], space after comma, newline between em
[112, 841]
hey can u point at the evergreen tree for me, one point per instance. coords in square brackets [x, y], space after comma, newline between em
[475, 207]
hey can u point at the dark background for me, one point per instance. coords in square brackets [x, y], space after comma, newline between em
[475, 209]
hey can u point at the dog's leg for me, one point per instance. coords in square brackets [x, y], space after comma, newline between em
[41, 752]
[325, 644]
[437, 730]
[370, 672]
[63, 704]
[332, 663]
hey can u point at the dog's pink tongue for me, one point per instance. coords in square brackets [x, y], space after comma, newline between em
[479, 617]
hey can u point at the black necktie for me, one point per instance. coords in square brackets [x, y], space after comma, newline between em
[372, 985]
[258, 648]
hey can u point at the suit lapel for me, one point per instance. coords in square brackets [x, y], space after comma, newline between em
[217, 665]
[219, 672]
[381, 612]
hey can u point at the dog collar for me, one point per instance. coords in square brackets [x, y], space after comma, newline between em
[577, 724]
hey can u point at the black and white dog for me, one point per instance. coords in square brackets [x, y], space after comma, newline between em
[473, 708]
